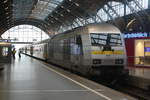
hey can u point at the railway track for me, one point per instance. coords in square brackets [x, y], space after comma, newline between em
[123, 87]
[138, 93]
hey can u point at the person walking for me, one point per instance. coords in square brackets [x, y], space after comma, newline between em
[19, 53]
[14, 52]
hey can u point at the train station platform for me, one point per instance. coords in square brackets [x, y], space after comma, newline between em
[30, 79]
[139, 77]
[140, 72]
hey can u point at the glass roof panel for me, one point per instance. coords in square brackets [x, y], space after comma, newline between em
[59, 0]
[52, 5]
[44, 7]
[25, 33]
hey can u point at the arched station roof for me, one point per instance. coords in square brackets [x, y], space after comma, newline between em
[49, 15]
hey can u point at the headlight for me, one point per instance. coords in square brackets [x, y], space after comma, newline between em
[96, 61]
[119, 61]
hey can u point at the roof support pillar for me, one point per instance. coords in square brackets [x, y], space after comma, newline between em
[148, 4]
[125, 17]
[125, 9]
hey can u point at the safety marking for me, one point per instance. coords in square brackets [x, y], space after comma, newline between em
[41, 91]
[92, 90]
[116, 52]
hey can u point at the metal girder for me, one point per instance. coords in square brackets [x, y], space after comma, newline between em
[106, 11]
[70, 13]
[77, 18]
[22, 28]
[109, 15]
[140, 7]
[20, 5]
[84, 21]
[137, 16]
[38, 23]
[45, 6]
[73, 15]
[41, 10]
[57, 20]
[93, 17]
[97, 16]
[137, 5]
[112, 10]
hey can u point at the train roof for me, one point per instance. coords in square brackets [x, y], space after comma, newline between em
[103, 28]
[94, 28]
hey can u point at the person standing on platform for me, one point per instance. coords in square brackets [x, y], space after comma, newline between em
[19, 53]
[14, 52]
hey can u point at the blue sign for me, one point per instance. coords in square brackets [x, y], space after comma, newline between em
[135, 35]
[147, 49]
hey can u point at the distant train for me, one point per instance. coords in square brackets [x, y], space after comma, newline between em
[95, 49]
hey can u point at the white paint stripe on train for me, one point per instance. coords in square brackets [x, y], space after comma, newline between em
[96, 92]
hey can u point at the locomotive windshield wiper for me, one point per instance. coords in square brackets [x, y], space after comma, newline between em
[107, 48]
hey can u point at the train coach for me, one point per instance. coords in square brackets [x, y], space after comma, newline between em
[95, 49]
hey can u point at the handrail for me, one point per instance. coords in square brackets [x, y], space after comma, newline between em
[134, 61]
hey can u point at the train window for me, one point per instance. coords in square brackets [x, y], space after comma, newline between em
[98, 39]
[115, 39]
[102, 42]
[76, 48]
[106, 39]
[5, 51]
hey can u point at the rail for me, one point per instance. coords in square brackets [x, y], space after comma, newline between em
[135, 61]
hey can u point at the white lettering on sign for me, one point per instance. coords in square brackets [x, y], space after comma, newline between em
[135, 35]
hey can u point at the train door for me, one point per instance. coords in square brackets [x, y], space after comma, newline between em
[66, 50]
[76, 51]
[45, 51]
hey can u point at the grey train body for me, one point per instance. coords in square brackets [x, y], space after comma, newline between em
[90, 50]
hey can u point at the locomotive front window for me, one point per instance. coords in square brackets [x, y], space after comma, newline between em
[106, 39]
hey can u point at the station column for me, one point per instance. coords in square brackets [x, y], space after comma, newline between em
[148, 4]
